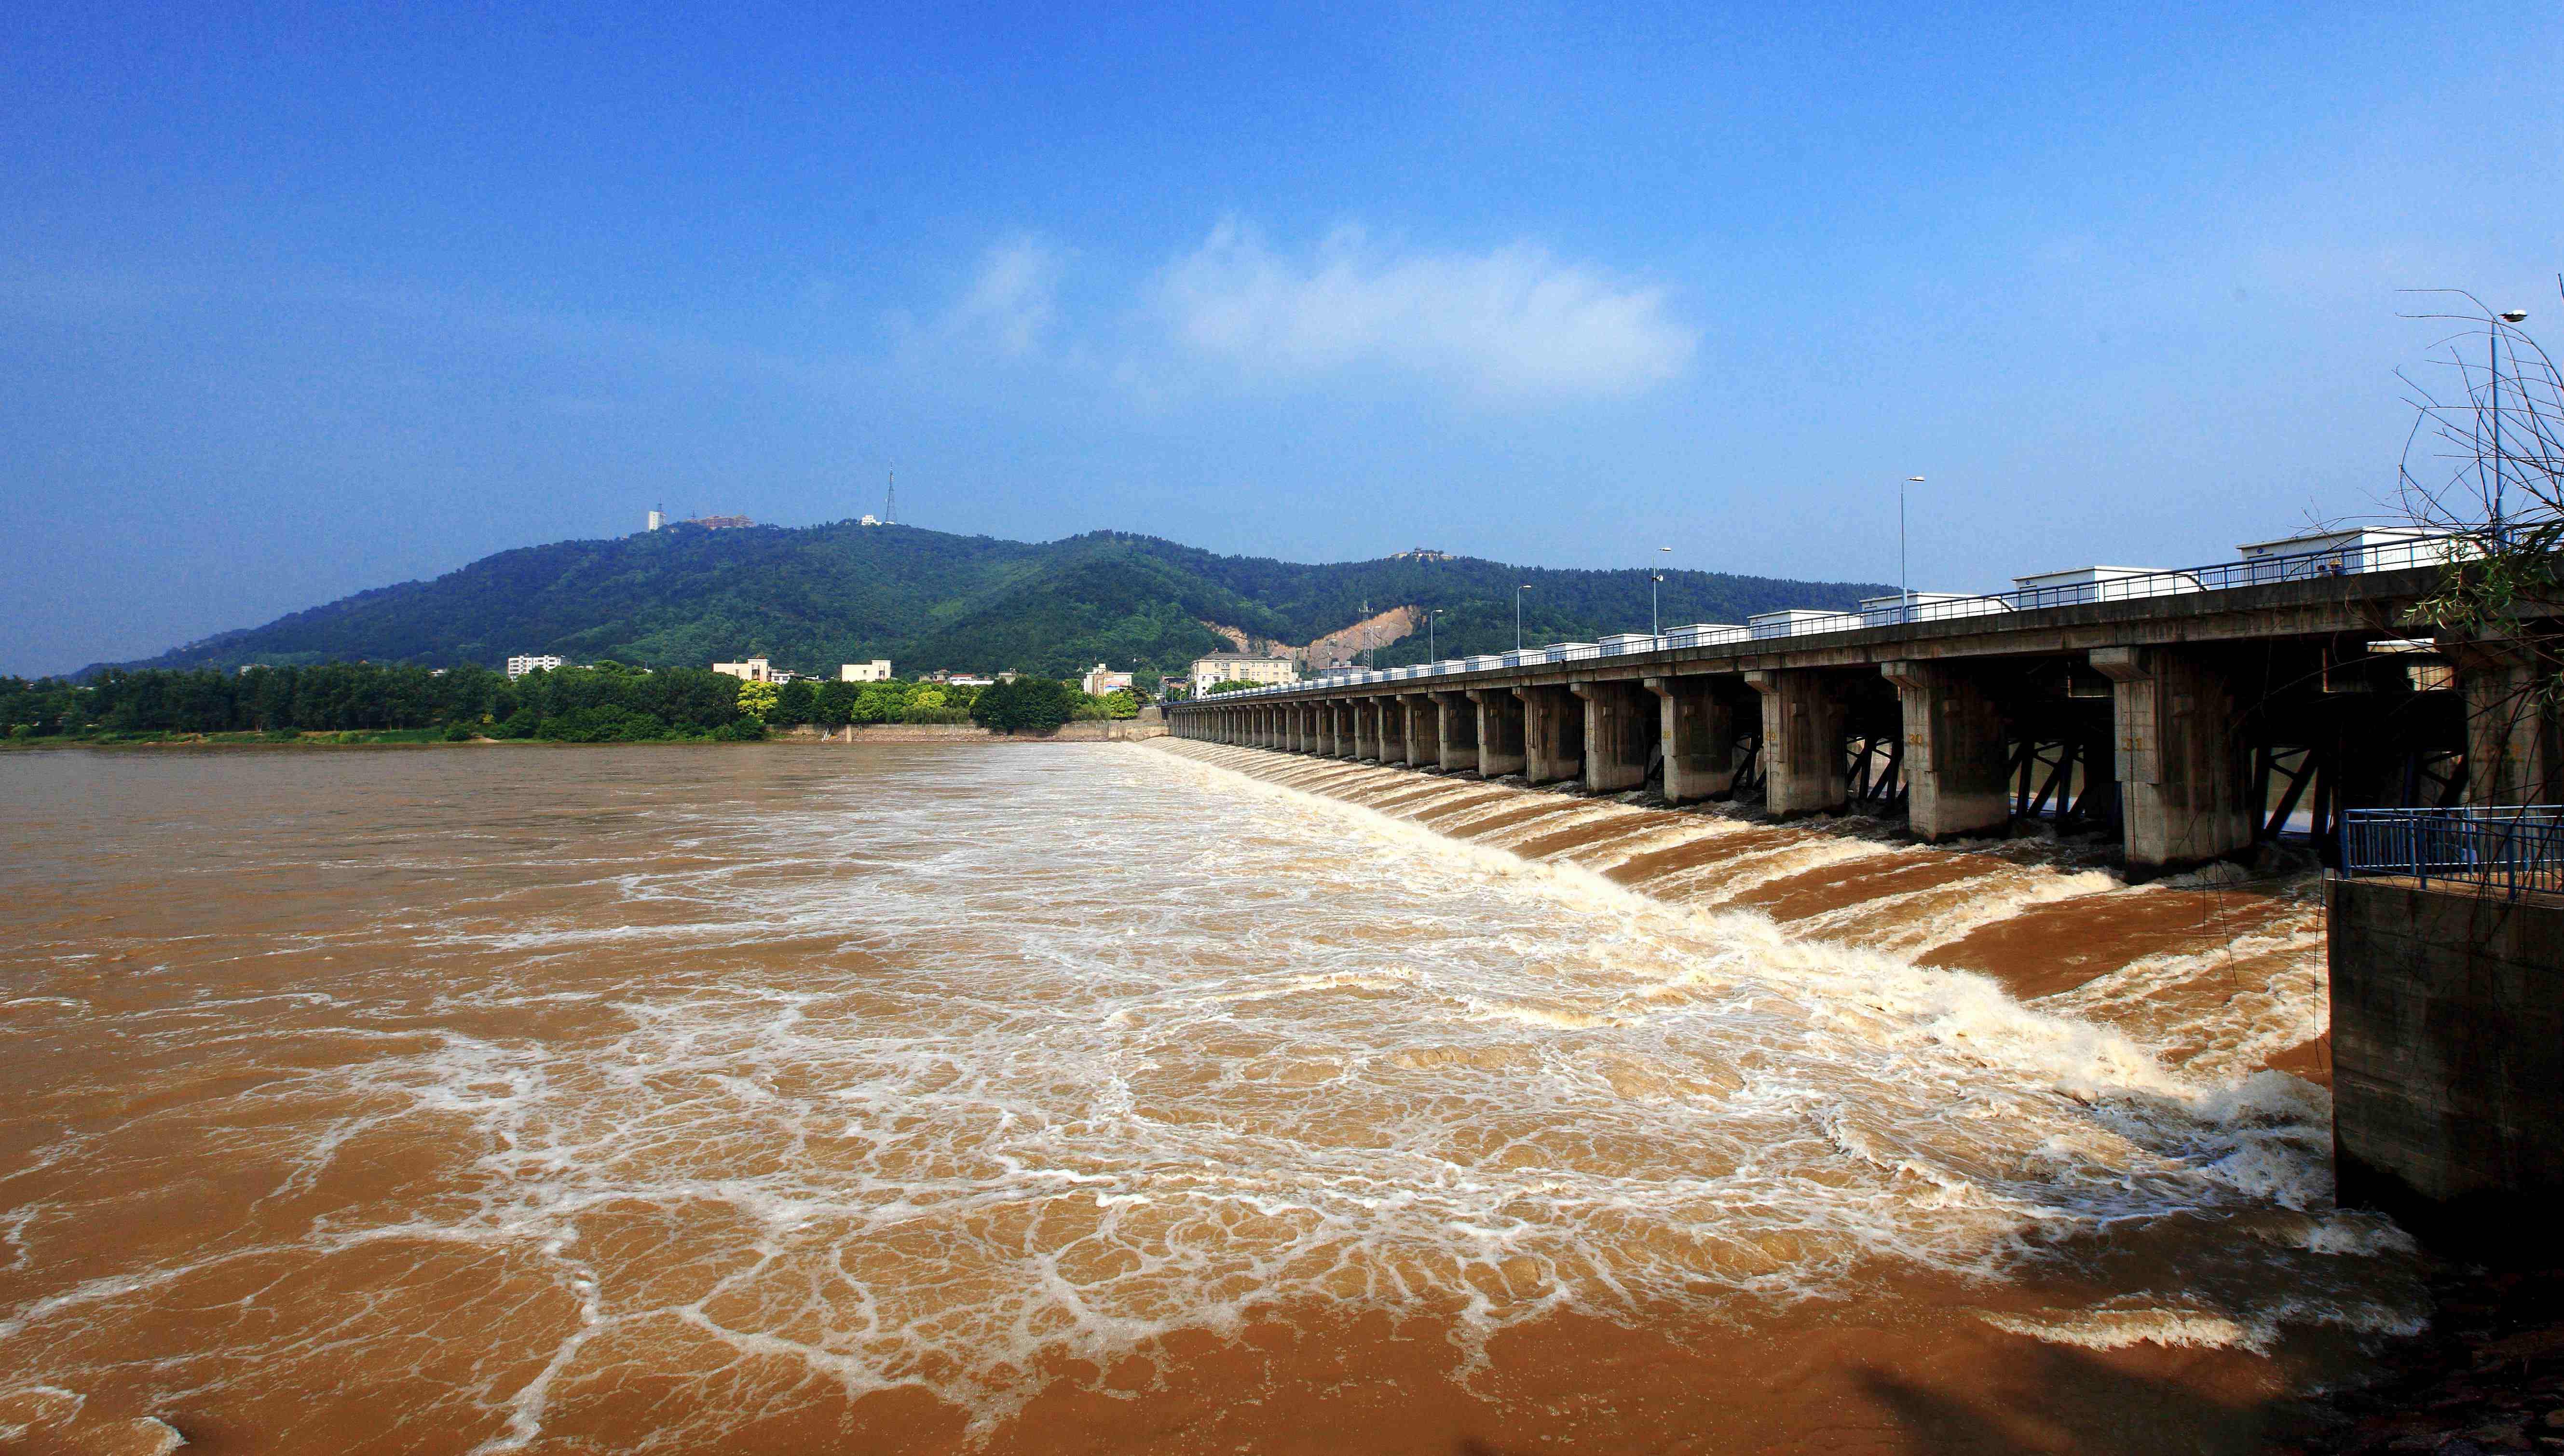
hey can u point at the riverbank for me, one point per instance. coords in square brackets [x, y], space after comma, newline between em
[1086, 732]
[1114, 731]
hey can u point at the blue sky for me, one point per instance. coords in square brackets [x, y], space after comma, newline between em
[297, 301]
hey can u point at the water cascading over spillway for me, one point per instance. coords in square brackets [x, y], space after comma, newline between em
[2218, 977]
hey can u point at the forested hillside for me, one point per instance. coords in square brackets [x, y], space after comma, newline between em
[812, 597]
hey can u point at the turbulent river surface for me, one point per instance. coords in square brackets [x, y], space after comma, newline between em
[1129, 1097]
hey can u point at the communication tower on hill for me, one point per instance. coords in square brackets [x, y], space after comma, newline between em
[658, 515]
[890, 501]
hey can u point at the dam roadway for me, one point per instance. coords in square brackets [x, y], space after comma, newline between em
[2198, 711]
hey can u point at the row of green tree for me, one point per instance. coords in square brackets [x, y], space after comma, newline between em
[605, 703]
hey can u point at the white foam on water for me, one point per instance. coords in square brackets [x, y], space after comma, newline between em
[2119, 1329]
[62, 1419]
[2229, 1006]
[1910, 923]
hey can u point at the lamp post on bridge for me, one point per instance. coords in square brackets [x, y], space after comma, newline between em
[1429, 614]
[1655, 579]
[1518, 592]
[1904, 587]
[2492, 372]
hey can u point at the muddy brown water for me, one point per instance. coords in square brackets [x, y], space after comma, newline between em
[1116, 1097]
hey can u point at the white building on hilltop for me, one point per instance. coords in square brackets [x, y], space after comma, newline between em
[876, 671]
[518, 666]
[1238, 667]
[755, 670]
[1099, 681]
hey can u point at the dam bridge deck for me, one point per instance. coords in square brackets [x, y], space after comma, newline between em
[2198, 713]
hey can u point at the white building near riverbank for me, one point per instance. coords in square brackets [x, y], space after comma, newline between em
[1239, 667]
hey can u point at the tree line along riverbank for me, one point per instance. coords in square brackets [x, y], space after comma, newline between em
[603, 702]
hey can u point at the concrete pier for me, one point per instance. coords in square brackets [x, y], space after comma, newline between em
[1458, 735]
[1954, 758]
[1393, 731]
[1500, 731]
[1367, 729]
[2179, 761]
[1802, 742]
[1423, 730]
[1619, 734]
[1552, 727]
[1696, 726]
[2513, 755]
[2448, 1052]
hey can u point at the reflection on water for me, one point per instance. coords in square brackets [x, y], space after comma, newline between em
[1084, 1097]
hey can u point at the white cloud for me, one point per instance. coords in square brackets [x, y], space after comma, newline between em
[1014, 300]
[1514, 321]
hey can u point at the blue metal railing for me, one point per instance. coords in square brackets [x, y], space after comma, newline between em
[2509, 847]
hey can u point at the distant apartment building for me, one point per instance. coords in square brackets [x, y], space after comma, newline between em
[876, 671]
[1099, 681]
[518, 666]
[1238, 667]
[755, 670]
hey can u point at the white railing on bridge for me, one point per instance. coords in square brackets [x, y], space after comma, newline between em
[1799, 621]
[2332, 554]
[1706, 634]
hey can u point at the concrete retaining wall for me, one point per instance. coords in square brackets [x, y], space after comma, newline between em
[2448, 1037]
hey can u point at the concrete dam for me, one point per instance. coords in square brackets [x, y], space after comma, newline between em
[2145, 726]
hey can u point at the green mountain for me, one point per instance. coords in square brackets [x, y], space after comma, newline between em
[812, 597]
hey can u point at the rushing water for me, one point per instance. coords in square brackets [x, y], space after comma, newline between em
[1126, 1097]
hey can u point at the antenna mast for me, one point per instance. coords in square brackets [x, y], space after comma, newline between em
[890, 502]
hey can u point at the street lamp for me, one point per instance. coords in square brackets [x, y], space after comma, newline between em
[1429, 654]
[1518, 592]
[2492, 369]
[1904, 591]
[1654, 578]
